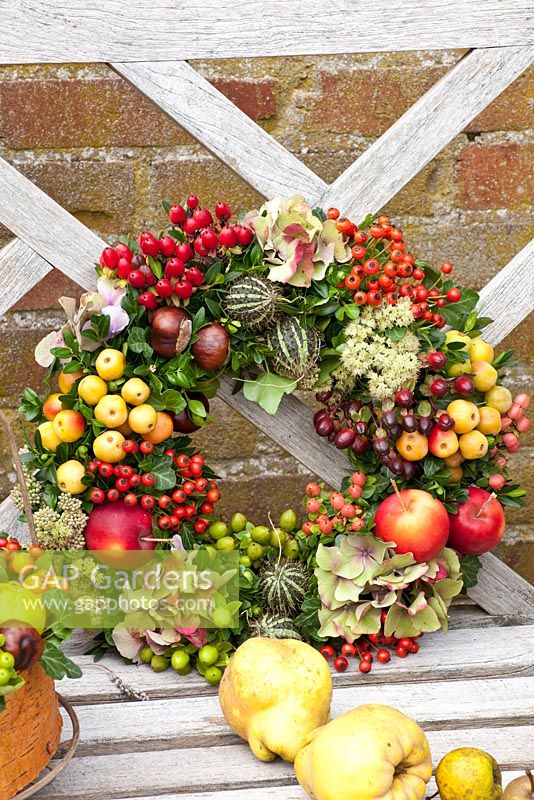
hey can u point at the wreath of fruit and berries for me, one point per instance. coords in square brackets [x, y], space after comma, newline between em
[285, 299]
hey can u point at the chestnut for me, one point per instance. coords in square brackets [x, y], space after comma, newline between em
[24, 644]
[182, 422]
[211, 349]
[170, 331]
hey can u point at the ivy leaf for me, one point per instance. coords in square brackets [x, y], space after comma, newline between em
[456, 313]
[307, 621]
[267, 391]
[137, 342]
[470, 566]
[56, 664]
[164, 474]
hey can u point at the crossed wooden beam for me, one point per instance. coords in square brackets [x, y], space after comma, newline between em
[48, 236]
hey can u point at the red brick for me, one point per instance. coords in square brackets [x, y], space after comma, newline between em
[46, 293]
[495, 176]
[99, 194]
[100, 112]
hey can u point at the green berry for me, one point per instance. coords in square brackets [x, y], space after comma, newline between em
[222, 618]
[260, 534]
[5, 676]
[159, 663]
[146, 655]
[245, 561]
[179, 660]
[288, 520]
[208, 655]
[7, 660]
[278, 538]
[185, 671]
[2, 640]
[238, 523]
[255, 551]
[226, 543]
[217, 530]
[291, 549]
[213, 675]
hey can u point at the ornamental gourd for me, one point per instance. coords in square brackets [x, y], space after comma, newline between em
[251, 301]
[296, 351]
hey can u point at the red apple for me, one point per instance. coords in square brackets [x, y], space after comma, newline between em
[478, 525]
[415, 521]
[119, 528]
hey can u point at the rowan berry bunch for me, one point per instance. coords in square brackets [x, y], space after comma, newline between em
[9, 543]
[172, 267]
[382, 271]
[376, 647]
[190, 503]
[335, 512]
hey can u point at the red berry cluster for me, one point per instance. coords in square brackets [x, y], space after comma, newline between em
[334, 512]
[192, 500]
[514, 423]
[382, 270]
[171, 265]
[367, 648]
[9, 543]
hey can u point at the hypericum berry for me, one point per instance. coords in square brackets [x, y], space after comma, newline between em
[124, 267]
[341, 664]
[149, 244]
[164, 287]
[324, 426]
[184, 252]
[425, 425]
[383, 656]
[446, 268]
[344, 438]
[327, 651]
[228, 237]
[209, 238]
[167, 246]
[404, 398]
[223, 211]
[190, 226]
[313, 489]
[192, 201]
[97, 495]
[453, 295]
[147, 300]
[177, 214]
[464, 385]
[439, 387]
[199, 248]
[123, 251]
[202, 217]
[183, 289]
[409, 423]
[337, 500]
[137, 279]
[148, 502]
[109, 258]
[436, 360]
[194, 276]
[445, 422]
[244, 235]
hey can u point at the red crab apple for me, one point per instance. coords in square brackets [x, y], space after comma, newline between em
[415, 521]
[478, 525]
[116, 529]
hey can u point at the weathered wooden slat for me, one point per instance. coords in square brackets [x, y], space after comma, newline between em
[198, 721]
[217, 122]
[442, 657]
[234, 766]
[20, 269]
[509, 297]
[47, 228]
[425, 129]
[100, 31]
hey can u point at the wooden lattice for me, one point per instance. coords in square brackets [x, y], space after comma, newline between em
[51, 31]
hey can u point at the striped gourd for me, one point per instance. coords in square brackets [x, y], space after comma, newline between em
[252, 301]
[296, 351]
[284, 585]
[274, 626]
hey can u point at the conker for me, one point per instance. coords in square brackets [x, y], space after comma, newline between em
[170, 331]
[25, 645]
[212, 348]
[182, 422]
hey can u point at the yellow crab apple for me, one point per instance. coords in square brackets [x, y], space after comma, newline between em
[66, 379]
[52, 406]
[459, 368]
[484, 375]
[473, 445]
[143, 419]
[465, 414]
[458, 336]
[163, 430]
[412, 446]
[108, 447]
[69, 425]
[111, 411]
[481, 351]
[110, 364]
[135, 391]
[499, 397]
[92, 389]
[49, 438]
[69, 477]
[490, 421]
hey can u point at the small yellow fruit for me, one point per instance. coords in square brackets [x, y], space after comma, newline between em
[163, 430]
[473, 445]
[92, 389]
[412, 446]
[69, 477]
[111, 411]
[500, 398]
[458, 336]
[135, 391]
[52, 406]
[490, 421]
[481, 351]
[69, 425]
[143, 418]
[49, 438]
[465, 414]
[110, 364]
[66, 379]
[108, 447]
[469, 772]
[459, 368]
[484, 375]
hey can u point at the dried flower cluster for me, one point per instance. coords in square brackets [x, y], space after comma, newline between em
[62, 528]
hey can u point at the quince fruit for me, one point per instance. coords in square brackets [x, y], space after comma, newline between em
[274, 693]
[469, 772]
[371, 753]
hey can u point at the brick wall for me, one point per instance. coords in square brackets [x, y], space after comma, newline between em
[109, 156]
